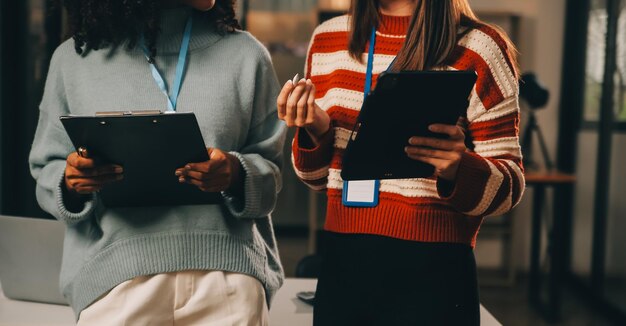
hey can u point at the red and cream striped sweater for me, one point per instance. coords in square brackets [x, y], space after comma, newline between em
[490, 178]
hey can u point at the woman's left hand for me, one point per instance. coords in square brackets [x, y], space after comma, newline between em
[444, 154]
[221, 172]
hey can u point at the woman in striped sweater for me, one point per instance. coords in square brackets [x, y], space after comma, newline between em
[408, 260]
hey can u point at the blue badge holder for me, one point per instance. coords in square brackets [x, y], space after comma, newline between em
[344, 196]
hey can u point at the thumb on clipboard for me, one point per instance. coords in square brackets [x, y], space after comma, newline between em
[222, 172]
[84, 175]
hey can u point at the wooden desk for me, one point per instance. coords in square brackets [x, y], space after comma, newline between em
[539, 181]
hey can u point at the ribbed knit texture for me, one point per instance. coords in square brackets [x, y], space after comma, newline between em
[231, 87]
[490, 178]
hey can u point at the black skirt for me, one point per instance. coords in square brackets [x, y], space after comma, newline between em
[375, 280]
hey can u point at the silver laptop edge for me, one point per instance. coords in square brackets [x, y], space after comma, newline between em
[30, 259]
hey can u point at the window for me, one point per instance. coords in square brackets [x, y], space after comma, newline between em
[596, 46]
[595, 65]
[620, 76]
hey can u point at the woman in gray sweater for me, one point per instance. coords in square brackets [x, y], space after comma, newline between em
[203, 264]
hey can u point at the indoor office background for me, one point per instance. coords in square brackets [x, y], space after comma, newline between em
[575, 220]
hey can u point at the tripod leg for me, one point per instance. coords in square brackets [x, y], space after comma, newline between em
[544, 149]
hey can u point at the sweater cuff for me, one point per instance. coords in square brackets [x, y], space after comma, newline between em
[251, 204]
[309, 157]
[69, 216]
[467, 191]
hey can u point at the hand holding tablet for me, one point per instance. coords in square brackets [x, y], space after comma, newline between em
[443, 154]
[423, 106]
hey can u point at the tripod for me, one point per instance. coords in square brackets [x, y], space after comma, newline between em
[527, 142]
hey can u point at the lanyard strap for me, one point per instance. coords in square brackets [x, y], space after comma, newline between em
[180, 68]
[370, 63]
[374, 184]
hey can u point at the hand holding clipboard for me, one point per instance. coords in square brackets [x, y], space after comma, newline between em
[149, 147]
[84, 175]
[220, 173]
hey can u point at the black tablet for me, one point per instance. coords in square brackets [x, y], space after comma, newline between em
[403, 105]
[150, 147]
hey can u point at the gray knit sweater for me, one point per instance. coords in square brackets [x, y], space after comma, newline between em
[231, 87]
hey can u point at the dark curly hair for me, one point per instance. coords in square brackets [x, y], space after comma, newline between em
[98, 24]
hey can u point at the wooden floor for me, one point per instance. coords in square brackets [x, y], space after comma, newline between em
[508, 304]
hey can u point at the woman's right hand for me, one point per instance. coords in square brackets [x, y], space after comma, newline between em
[297, 107]
[84, 176]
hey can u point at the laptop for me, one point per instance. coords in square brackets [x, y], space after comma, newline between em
[30, 259]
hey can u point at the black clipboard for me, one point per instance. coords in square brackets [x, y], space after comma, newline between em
[150, 145]
[403, 104]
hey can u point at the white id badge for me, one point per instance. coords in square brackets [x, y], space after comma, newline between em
[360, 193]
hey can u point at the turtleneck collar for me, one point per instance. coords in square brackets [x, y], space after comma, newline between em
[394, 25]
[203, 33]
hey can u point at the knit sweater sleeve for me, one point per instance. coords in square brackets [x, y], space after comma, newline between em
[490, 179]
[262, 155]
[51, 147]
[312, 162]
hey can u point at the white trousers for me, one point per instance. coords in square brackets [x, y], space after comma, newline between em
[182, 298]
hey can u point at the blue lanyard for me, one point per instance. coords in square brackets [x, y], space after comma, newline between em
[370, 63]
[368, 87]
[180, 68]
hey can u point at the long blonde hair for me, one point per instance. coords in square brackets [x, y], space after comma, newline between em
[432, 36]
